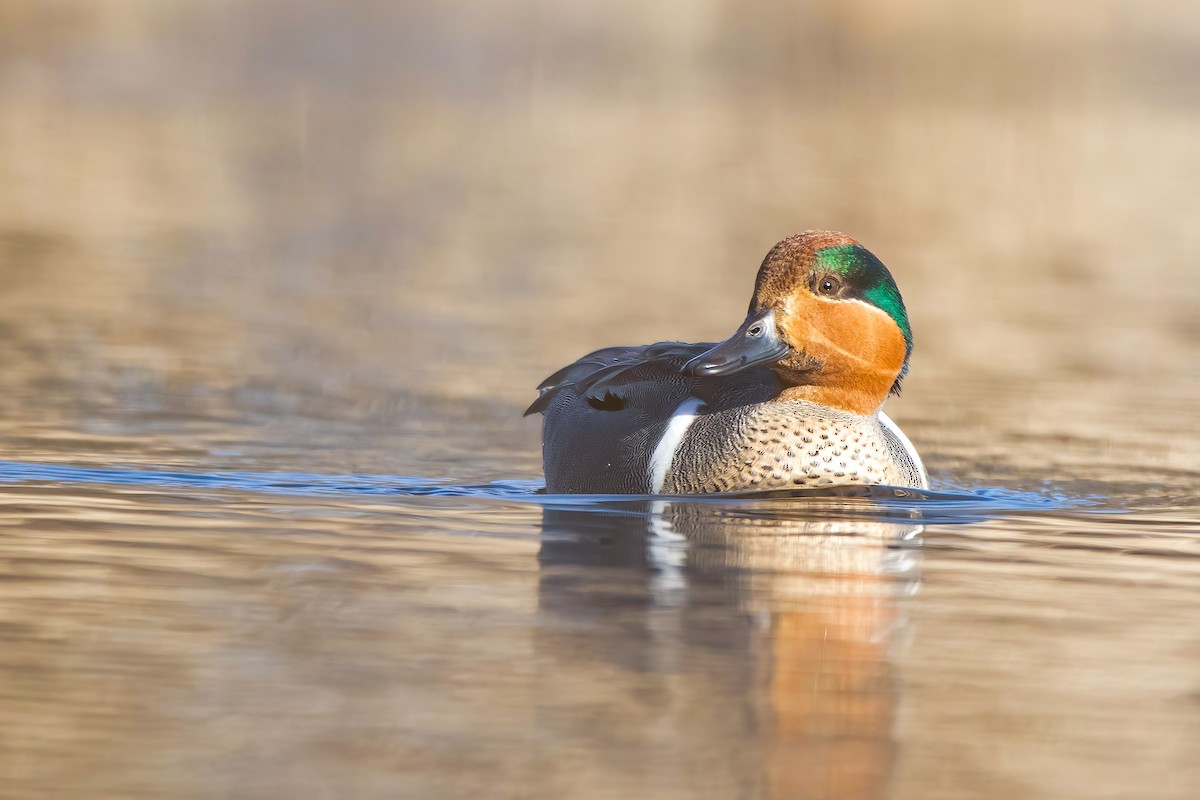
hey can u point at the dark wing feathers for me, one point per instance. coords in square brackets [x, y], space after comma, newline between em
[585, 366]
[607, 371]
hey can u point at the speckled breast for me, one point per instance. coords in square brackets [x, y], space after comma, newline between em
[782, 445]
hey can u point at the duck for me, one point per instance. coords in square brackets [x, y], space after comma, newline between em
[792, 400]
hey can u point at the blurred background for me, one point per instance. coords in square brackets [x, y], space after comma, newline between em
[353, 210]
[317, 237]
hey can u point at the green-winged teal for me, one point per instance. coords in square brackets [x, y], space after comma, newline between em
[792, 400]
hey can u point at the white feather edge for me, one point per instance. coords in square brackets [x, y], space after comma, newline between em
[886, 422]
[664, 452]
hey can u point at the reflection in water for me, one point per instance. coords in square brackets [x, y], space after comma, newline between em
[814, 611]
[176, 634]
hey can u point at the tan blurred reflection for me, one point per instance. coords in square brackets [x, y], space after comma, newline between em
[818, 621]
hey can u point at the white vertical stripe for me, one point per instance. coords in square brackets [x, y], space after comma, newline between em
[664, 451]
[666, 551]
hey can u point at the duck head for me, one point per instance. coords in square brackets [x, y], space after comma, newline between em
[827, 319]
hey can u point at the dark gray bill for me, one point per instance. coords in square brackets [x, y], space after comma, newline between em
[756, 342]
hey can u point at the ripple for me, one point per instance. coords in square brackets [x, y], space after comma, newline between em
[952, 505]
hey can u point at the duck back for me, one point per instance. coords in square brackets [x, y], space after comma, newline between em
[606, 415]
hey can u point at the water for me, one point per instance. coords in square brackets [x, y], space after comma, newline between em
[236, 633]
[277, 285]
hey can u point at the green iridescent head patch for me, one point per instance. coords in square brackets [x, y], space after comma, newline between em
[869, 280]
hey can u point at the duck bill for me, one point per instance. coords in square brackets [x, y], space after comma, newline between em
[756, 342]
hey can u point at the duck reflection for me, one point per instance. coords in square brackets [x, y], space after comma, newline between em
[758, 635]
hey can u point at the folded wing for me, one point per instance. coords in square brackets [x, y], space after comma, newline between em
[611, 376]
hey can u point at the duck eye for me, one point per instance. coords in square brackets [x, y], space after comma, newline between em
[830, 285]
